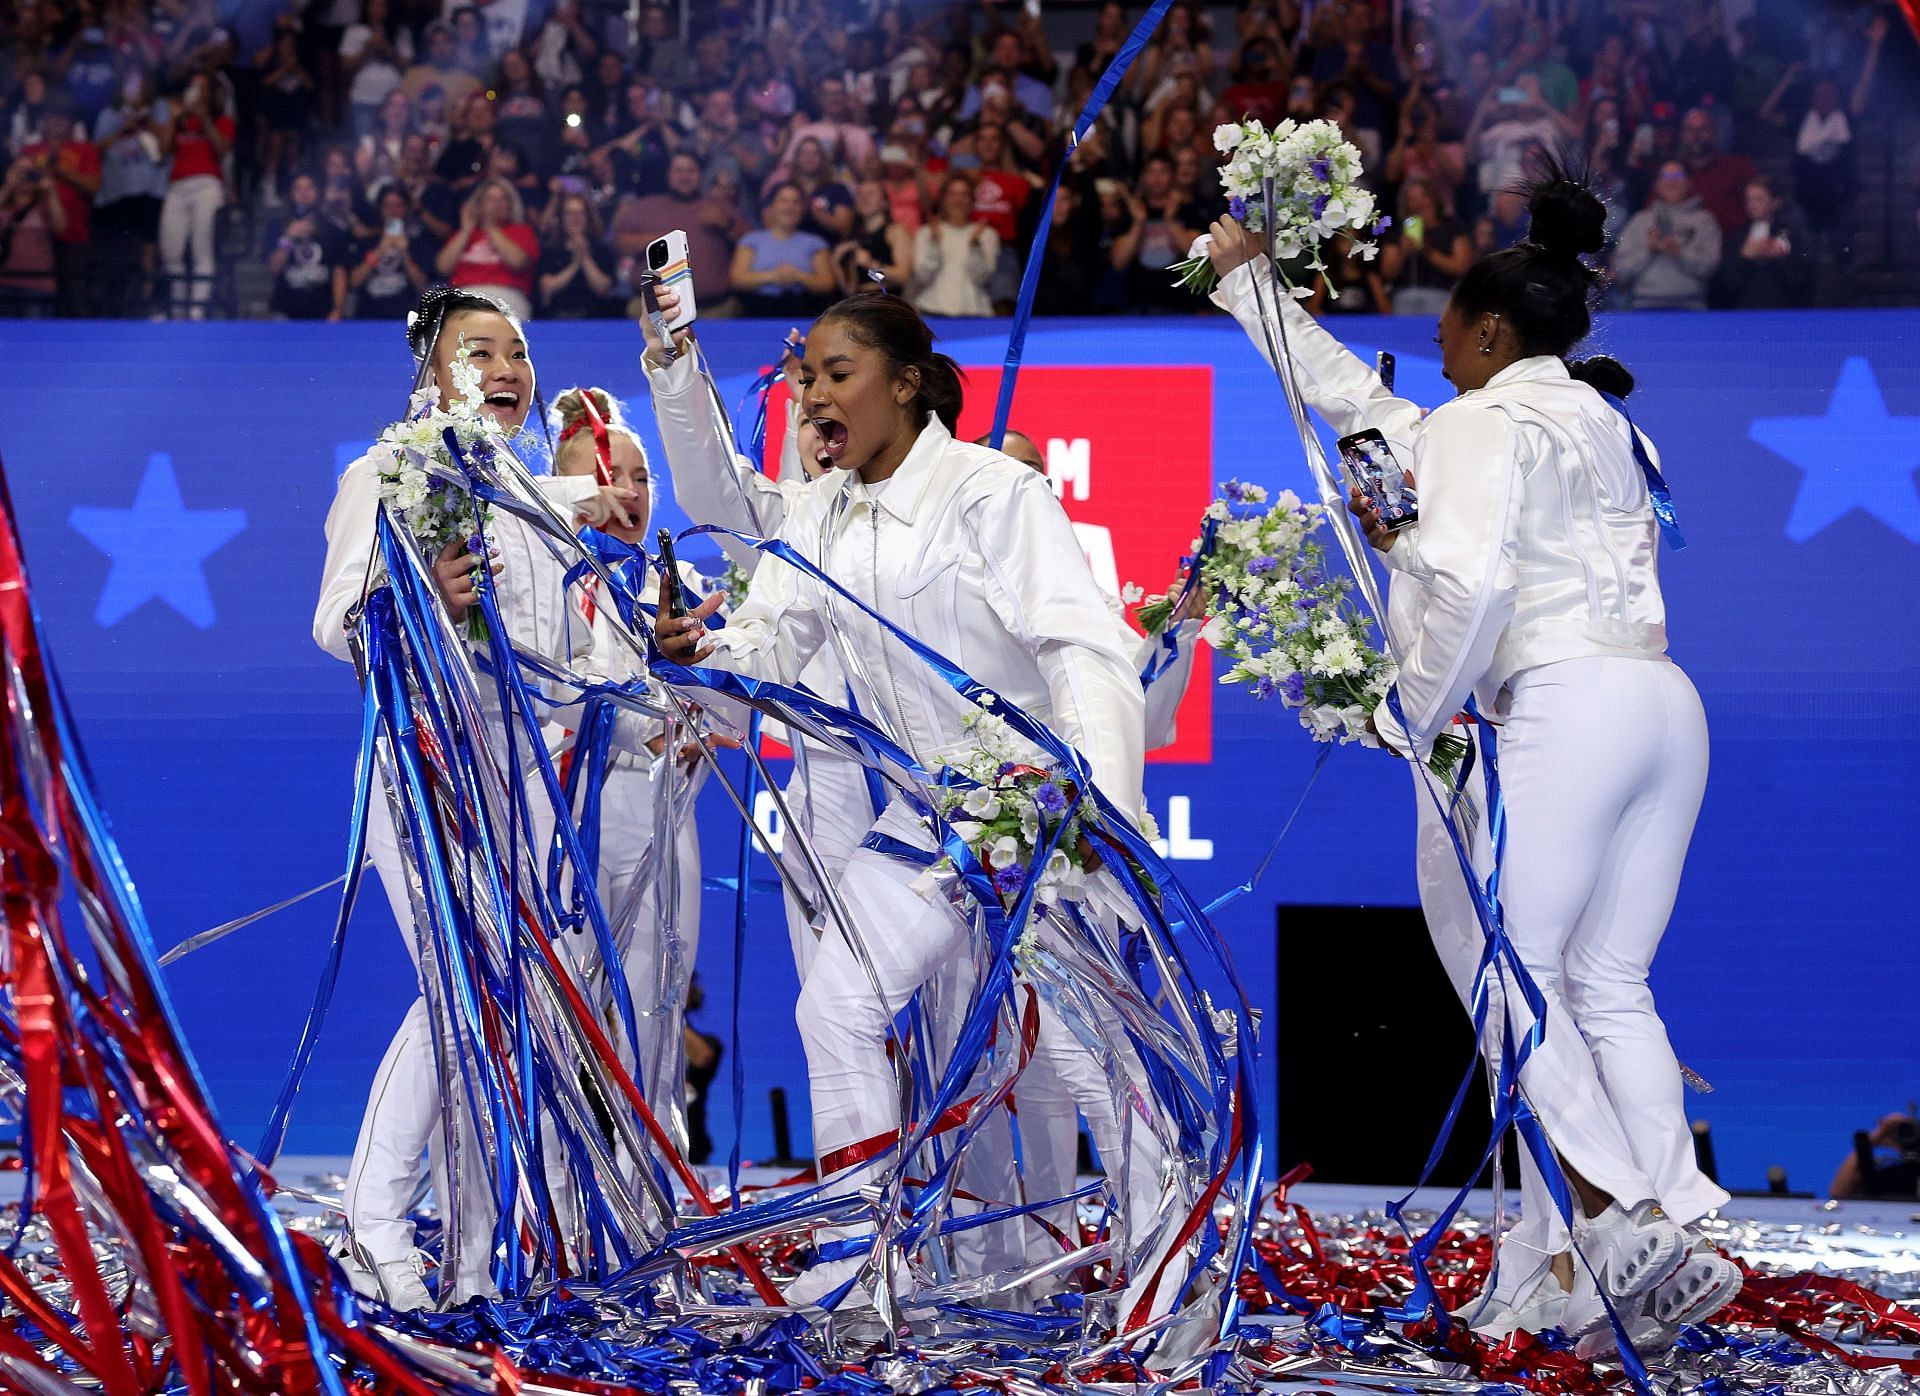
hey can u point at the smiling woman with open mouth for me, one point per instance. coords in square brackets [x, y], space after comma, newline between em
[970, 552]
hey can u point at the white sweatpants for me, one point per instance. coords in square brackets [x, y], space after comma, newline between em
[1458, 941]
[186, 229]
[827, 794]
[1604, 764]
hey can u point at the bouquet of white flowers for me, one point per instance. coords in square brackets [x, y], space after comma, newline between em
[1007, 808]
[1287, 625]
[422, 482]
[1315, 173]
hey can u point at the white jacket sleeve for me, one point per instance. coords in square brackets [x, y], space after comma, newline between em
[710, 482]
[1335, 382]
[1165, 694]
[1469, 470]
[1051, 605]
[779, 627]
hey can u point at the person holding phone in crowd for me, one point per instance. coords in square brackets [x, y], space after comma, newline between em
[1529, 480]
[494, 251]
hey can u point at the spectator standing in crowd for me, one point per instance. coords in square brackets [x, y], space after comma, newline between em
[1003, 70]
[92, 78]
[1718, 179]
[1259, 83]
[577, 267]
[469, 154]
[954, 257]
[1183, 44]
[375, 52]
[198, 137]
[1424, 253]
[878, 251]
[521, 117]
[1670, 250]
[646, 139]
[307, 256]
[837, 130]
[1421, 153]
[377, 155]
[30, 219]
[439, 67]
[1512, 123]
[72, 167]
[1773, 265]
[494, 250]
[711, 226]
[392, 265]
[780, 270]
[126, 211]
[906, 188]
[829, 202]
[564, 51]
[287, 100]
[1166, 228]
[722, 142]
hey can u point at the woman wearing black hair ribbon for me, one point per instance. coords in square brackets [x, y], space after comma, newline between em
[1534, 585]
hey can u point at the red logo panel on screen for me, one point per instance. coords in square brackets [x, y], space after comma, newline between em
[1130, 453]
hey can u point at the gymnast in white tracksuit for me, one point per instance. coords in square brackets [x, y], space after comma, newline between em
[403, 1107]
[828, 794]
[971, 553]
[1536, 556]
[651, 895]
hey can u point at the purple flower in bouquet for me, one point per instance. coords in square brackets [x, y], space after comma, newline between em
[1320, 202]
[1322, 169]
[1260, 566]
[1304, 603]
[1006, 768]
[1237, 209]
[1264, 688]
[1009, 880]
[1234, 492]
[1381, 224]
[1294, 688]
[1050, 800]
[476, 544]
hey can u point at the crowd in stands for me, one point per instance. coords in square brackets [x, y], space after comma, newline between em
[163, 156]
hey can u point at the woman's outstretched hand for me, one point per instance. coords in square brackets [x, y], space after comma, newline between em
[1231, 245]
[680, 637]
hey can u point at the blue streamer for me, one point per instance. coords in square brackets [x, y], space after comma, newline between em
[1658, 495]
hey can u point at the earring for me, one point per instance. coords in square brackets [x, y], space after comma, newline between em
[1486, 348]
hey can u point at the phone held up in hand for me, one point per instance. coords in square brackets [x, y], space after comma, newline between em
[670, 569]
[1371, 467]
[669, 261]
[1383, 366]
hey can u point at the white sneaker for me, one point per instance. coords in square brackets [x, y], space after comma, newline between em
[401, 1286]
[1537, 1309]
[1705, 1283]
[1585, 1322]
[1631, 1251]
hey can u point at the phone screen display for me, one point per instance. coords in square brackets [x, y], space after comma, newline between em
[1374, 472]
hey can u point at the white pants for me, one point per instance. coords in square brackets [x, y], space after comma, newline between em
[186, 227]
[657, 926]
[1604, 764]
[1458, 941]
[402, 1119]
[827, 795]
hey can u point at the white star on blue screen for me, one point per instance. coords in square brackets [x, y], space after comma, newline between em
[157, 548]
[1855, 457]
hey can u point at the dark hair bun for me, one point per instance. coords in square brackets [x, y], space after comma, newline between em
[1602, 372]
[1567, 219]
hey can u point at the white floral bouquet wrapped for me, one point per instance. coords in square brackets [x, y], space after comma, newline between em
[423, 484]
[1287, 625]
[1007, 808]
[1316, 193]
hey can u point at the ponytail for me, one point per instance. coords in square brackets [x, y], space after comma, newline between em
[894, 328]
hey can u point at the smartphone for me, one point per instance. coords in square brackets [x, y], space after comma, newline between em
[671, 567]
[668, 259]
[1513, 96]
[1375, 473]
[1415, 227]
[1383, 365]
[396, 227]
[1033, 8]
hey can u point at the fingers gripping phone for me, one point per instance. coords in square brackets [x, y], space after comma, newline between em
[1374, 472]
[670, 568]
[668, 260]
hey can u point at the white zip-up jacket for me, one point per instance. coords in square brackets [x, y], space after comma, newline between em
[969, 552]
[1536, 540]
